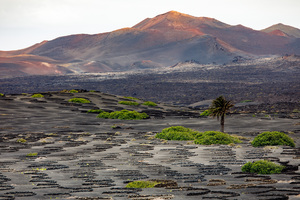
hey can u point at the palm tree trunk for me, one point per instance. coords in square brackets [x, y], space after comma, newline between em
[222, 122]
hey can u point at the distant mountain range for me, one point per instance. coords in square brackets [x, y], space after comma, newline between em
[164, 40]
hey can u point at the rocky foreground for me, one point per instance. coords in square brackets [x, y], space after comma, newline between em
[53, 149]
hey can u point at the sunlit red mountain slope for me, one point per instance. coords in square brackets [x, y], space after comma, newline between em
[155, 42]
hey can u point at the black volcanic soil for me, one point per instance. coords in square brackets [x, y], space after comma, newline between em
[83, 157]
[267, 81]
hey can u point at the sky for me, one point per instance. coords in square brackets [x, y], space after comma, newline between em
[24, 23]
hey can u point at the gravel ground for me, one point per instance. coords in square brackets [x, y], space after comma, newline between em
[75, 155]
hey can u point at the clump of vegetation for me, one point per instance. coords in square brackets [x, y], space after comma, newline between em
[272, 139]
[37, 96]
[130, 103]
[142, 184]
[39, 169]
[73, 91]
[79, 100]
[177, 133]
[246, 101]
[132, 98]
[205, 138]
[206, 113]
[149, 103]
[262, 167]
[21, 140]
[215, 137]
[1, 95]
[32, 154]
[95, 111]
[124, 115]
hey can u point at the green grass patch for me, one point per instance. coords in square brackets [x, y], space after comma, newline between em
[215, 137]
[124, 115]
[32, 154]
[246, 101]
[272, 139]
[79, 100]
[177, 133]
[205, 138]
[132, 98]
[21, 140]
[262, 167]
[37, 96]
[149, 103]
[142, 184]
[95, 111]
[73, 91]
[206, 113]
[130, 103]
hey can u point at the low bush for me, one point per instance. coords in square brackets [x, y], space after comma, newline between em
[124, 115]
[132, 98]
[246, 101]
[32, 154]
[205, 138]
[37, 96]
[262, 167]
[206, 113]
[21, 140]
[79, 100]
[1, 95]
[149, 103]
[95, 111]
[130, 103]
[272, 139]
[73, 91]
[142, 184]
[215, 137]
[177, 133]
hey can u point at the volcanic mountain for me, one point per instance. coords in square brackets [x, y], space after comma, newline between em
[154, 42]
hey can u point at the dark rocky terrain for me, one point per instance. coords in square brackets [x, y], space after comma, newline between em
[79, 156]
[268, 80]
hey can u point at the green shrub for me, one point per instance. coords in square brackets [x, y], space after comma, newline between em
[177, 133]
[142, 184]
[246, 101]
[206, 113]
[205, 138]
[130, 103]
[215, 137]
[149, 103]
[132, 98]
[95, 111]
[37, 96]
[272, 139]
[73, 91]
[123, 114]
[79, 100]
[32, 154]
[21, 140]
[1, 95]
[262, 167]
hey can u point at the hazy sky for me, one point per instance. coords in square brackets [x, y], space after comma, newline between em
[26, 22]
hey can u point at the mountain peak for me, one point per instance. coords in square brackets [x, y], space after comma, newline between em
[286, 29]
[178, 20]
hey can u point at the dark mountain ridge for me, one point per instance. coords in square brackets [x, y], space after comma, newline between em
[163, 41]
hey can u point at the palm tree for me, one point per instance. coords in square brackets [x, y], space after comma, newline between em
[219, 107]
